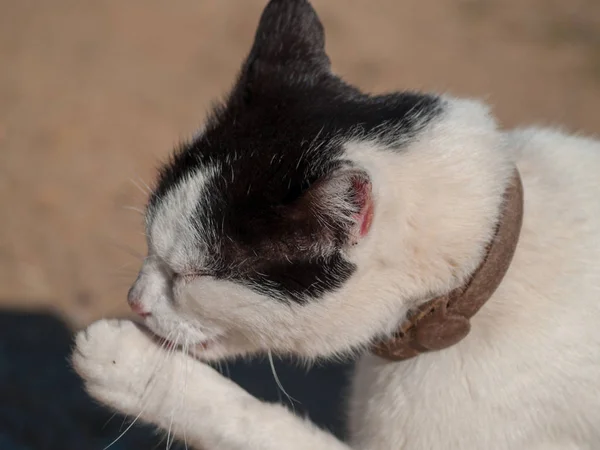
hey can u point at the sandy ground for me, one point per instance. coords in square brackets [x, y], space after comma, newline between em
[94, 94]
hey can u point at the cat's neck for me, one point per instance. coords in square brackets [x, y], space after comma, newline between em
[437, 200]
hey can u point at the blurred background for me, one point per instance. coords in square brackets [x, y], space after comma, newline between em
[93, 95]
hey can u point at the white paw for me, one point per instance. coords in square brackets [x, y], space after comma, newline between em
[118, 361]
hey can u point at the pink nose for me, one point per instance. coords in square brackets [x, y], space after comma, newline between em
[136, 307]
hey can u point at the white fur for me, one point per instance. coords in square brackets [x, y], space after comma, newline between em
[527, 376]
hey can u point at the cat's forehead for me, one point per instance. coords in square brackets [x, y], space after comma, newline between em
[199, 202]
[170, 221]
[293, 132]
[252, 156]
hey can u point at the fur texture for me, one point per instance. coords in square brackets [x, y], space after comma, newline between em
[307, 218]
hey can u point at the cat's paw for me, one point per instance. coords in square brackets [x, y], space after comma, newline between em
[123, 367]
[117, 361]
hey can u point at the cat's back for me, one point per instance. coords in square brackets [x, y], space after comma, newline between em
[561, 228]
[548, 308]
[531, 359]
[561, 178]
[558, 165]
[545, 314]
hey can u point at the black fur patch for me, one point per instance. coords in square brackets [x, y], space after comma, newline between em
[277, 137]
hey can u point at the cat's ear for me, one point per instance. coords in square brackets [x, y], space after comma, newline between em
[289, 36]
[340, 206]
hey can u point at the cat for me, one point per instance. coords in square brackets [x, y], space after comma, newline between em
[310, 219]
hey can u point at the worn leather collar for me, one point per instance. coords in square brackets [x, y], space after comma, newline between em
[443, 321]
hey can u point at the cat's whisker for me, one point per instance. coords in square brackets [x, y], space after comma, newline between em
[146, 191]
[108, 421]
[172, 351]
[147, 188]
[123, 270]
[124, 432]
[124, 266]
[143, 408]
[185, 379]
[124, 274]
[129, 250]
[123, 423]
[278, 382]
[155, 370]
[133, 208]
[118, 284]
[165, 356]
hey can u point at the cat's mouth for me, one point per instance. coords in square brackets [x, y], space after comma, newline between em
[201, 348]
[204, 345]
[195, 347]
[184, 345]
[187, 347]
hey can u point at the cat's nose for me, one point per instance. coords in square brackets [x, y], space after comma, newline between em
[136, 305]
[137, 308]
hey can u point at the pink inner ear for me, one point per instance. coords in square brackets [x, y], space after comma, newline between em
[364, 218]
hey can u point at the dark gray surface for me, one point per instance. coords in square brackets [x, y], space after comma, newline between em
[43, 406]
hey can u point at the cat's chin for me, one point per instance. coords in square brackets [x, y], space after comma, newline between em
[197, 347]
[216, 348]
[223, 348]
[213, 351]
[204, 349]
[209, 350]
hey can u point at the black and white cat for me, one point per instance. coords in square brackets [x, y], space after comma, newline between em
[308, 218]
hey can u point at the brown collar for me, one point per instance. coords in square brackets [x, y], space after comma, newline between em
[444, 321]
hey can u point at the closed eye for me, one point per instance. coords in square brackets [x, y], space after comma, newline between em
[187, 277]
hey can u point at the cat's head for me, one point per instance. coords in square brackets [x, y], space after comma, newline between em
[293, 221]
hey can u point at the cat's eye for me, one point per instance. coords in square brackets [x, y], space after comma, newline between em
[187, 276]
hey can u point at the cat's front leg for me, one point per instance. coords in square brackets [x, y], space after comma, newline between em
[124, 368]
